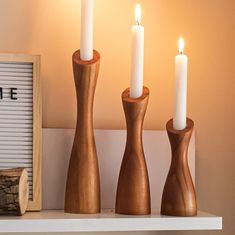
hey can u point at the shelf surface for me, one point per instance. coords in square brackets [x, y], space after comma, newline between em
[58, 221]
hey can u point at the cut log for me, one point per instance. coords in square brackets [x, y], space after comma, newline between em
[14, 191]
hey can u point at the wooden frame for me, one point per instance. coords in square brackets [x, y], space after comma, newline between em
[23, 60]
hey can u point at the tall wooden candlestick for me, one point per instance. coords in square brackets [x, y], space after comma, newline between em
[83, 185]
[133, 192]
[179, 197]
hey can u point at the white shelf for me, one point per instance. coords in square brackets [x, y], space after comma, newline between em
[58, 221]
[57, 144]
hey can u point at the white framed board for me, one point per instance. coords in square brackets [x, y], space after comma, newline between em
[20, 119]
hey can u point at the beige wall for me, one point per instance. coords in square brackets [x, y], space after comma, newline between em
[51, 28]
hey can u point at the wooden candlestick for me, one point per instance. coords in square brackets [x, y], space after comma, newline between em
[83, 184]
[133, 192]
[14, 191]
[179, 197]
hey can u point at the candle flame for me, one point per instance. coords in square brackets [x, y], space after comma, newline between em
[181, 45]
[138, 13]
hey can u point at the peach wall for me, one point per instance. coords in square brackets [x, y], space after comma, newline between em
[51, 28]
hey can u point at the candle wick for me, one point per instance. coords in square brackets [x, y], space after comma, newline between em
[181, 52]
[138, 23]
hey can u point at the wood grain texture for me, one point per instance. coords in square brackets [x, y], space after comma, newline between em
[24, 117]
[82, 194]
[133, 191]
[179, 197]
[14, 191]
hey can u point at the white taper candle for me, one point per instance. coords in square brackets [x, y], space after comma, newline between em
[86, 43]
[137, 65]
[180, 109]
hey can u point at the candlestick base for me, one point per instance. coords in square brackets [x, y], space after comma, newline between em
[83, 185]
[133, 192]
[179, 197]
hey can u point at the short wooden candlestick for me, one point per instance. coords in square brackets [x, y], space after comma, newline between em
[133, 192]
[179, 197]
[83, 184]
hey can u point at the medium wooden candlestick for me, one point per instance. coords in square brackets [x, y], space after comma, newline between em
[14, 191]
[133, 192]
[179, 197]
[83, 184]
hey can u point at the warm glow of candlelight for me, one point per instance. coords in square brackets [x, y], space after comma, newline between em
[138, 13]
[181, 45]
